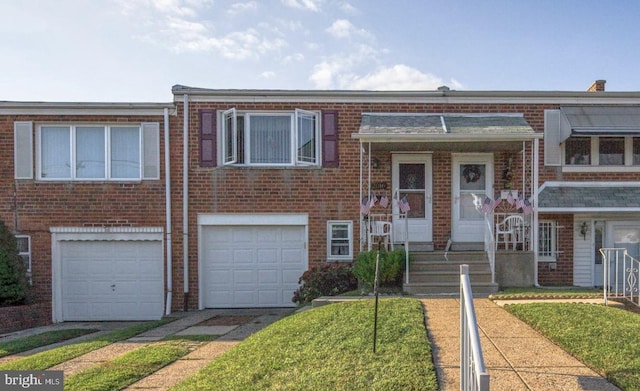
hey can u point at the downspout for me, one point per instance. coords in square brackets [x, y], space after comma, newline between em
[185, 201]
[362, 235]
[167, 186]
[536, 168]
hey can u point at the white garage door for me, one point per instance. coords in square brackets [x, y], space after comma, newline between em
[251, 266]
[112, 280]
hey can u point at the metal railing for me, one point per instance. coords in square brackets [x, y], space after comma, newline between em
[490, 244]
[473, 373]
[621, 275]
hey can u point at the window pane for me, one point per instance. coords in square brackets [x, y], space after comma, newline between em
[125, 152]
[611, 151]
[56, 152]
[416, 202]
[90, 162]
[270, 139]
[636, 150]
[412, 176]
[578, 151]
[306, 138]
[546, 234]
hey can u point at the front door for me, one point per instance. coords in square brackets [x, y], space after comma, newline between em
[411, 178]
[472, 180]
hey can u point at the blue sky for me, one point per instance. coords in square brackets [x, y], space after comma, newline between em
[135, 50]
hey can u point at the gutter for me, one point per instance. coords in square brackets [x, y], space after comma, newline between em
[185, 201]
[167, 187]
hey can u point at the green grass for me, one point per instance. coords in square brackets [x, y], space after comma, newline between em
[604, 338]
[38, 340]
[546, 293]
[128, 368]
[49, 358]
[330, 348]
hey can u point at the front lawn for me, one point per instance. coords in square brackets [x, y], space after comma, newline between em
[547, 293]
[330, 348]
[604, 338]
[43, 339]
[49, 358]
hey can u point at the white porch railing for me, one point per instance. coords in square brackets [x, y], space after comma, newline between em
[473, 374]
[621, 275]
[513, 230]
[490, 245]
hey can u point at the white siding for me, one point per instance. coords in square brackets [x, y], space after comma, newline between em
[582, 253]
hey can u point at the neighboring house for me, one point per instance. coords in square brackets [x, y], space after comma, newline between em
[275, 182]
[85, 196]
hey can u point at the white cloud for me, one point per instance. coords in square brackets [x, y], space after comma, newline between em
[237, 8]
[342, 28]
[296, 57]
[347, 8]
[268, 75]
[310, 5]
[401, 77]
[338, 71]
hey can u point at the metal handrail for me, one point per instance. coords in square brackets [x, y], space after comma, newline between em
[473, 373]
[624, 280]
[490, 244]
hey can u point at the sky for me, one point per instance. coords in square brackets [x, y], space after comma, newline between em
[136, 50]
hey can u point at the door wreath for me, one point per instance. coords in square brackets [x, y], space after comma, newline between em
[471, 173]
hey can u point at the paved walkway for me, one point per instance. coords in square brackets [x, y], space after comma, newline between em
[516, 356]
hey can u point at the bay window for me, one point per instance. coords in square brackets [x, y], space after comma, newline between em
[270, 138]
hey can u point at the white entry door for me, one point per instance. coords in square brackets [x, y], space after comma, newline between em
[411, 176]
[472, 176]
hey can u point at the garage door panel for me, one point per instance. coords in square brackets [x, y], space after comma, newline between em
[268, 276]
[263, 271]
[112, 280]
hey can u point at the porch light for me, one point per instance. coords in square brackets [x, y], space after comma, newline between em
[584, 229]
[375, 163]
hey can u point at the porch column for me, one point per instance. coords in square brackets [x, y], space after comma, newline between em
[534, 223]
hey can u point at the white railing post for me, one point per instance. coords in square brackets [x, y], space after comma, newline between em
[626, 271]
[473, 373]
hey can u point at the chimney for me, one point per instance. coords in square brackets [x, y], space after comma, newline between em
[597, 86]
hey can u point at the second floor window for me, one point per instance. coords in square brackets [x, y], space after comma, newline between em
[602, 151]
[270, 139]
[88, 152]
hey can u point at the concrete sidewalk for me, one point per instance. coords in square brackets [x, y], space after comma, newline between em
[516, 356]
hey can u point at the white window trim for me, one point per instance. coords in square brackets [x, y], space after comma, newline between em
[28, 253]
[72, 140]
[554, 241]
[330, 224]
[227, 159]
[595, 158]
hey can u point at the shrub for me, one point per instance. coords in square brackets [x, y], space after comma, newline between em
[326, 279]
[13, 284]
[392, 266]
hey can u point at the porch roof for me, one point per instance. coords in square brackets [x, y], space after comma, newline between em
[589, 197]
[426, 127]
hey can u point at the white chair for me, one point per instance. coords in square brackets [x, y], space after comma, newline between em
[380, 230]
[510, 230]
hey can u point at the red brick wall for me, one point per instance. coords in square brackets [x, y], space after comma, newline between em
[563, 274]
[24, 316]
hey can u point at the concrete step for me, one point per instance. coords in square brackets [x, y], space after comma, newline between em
[475, 266]
[447, 277]
[445, 288]
[451, 256]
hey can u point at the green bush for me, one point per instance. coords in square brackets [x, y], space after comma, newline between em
[326, 279]
[13, 284]
[392, 266]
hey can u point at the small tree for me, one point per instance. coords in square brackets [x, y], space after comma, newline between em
[13, 284]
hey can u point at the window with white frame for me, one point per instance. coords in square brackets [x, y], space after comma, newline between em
[339, 240]
[547, 240]
[98, 152]
[602, 151]
[270, 138]
[24, 250]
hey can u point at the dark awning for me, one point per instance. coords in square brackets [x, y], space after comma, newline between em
[589, 197]
[404, 127]
[601, 120]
